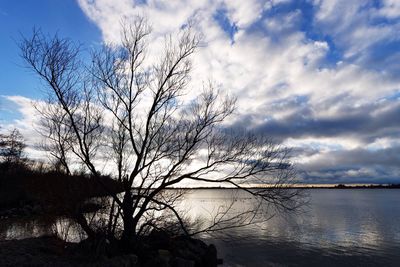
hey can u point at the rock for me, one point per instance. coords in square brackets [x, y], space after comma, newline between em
[25, 211]
[155, 262]
[179, 262]
[37, 209]
[210, 257]
[130, 260]
[190, 255]
[159, 239]
[118, 262]
[133, 259]
[164, 255]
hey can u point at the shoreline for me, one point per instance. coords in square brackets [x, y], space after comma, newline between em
[334, 186]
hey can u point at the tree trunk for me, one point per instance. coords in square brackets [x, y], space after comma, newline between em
[81, 220]
[128, 234]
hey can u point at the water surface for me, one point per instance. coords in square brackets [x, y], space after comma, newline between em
[347, 227]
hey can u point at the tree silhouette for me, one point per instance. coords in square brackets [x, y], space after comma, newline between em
[11, 147]
[121, 106]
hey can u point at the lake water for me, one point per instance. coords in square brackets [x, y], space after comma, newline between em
[349, 227]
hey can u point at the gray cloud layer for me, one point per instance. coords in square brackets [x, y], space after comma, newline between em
[367, 123]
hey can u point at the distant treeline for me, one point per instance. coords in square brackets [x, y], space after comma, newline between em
[370, 186]
[24, 181]
[21, 185]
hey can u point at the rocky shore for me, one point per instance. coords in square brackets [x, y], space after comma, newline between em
[158, 250]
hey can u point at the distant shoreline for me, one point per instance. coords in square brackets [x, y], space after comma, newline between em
[324, 186]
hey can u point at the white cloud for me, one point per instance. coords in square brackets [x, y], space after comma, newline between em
[357, 25]
[390, 9]
[263, 71]
[244, 13]
[26, 124]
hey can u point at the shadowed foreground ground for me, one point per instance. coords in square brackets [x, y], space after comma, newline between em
[42, 251]
[160, 251]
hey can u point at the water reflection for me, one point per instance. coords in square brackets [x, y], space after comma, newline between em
[340, 227]
[26, 227]
[63, 227]
[350, 227]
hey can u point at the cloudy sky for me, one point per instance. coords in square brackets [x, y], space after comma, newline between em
[321, 76]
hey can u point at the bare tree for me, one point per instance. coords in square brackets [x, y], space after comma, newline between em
[57, 131]
[11, 147]
[157, 139]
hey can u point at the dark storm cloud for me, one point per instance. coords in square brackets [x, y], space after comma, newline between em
[366, 123]
[353, 166]
[389, 157]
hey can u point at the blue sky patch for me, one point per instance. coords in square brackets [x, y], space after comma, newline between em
[229, 27]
